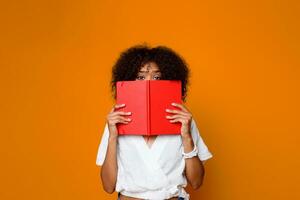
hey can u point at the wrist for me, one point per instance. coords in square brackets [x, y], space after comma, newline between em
[190, 154]
[186, 136]
[112, 138]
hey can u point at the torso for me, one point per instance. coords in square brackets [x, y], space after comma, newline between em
[149, 141]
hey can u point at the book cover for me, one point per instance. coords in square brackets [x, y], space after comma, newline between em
[147, 101]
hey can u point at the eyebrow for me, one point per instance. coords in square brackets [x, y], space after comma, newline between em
[147, 71]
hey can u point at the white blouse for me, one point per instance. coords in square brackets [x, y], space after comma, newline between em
[155, 172]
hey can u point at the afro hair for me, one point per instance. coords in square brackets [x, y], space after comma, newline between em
[172, 66]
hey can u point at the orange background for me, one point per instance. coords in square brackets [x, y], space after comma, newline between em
[56, 59]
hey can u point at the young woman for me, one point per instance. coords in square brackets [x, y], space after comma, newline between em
[154, 167]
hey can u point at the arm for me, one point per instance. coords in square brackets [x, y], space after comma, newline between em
[109, 168]
[194, 168]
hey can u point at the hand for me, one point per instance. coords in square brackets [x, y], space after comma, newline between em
[184, 116]
[115, 117]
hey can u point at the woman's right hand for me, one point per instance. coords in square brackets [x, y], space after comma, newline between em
[115, 117]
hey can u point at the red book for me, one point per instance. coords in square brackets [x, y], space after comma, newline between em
[147, 100]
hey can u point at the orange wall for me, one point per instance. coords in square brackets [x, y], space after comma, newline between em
[55, 63]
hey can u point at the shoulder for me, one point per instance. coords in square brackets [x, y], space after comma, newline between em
[194, 130]
[102, 148]
[204, 152]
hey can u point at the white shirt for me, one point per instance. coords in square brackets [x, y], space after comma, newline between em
[155, 172]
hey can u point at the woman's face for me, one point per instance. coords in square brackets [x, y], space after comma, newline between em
[150, 71]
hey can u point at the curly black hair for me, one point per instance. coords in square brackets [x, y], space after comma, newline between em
[171, 65]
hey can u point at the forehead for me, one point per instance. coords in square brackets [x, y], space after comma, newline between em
[150, 66]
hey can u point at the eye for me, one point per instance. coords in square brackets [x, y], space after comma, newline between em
[140, 77]
[157, 77]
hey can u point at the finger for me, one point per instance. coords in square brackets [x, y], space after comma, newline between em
[177, 112]
[173, 116]
[117, 106]
[185, 118]
[180, 106]
[119, 121]
[120, 118]
[179, 119]
[120, 113]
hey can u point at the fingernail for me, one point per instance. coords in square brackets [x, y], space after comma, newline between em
[167, 110]
[173, 104]
[129, 113]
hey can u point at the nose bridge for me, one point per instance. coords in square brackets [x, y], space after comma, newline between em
[149, 75]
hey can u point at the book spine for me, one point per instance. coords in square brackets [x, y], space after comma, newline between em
[148, 106]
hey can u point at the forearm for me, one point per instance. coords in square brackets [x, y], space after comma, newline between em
[194, 168]
[109, 168]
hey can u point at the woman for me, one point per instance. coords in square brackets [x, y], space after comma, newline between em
[153, 167]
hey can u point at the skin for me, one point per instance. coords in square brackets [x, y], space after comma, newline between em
[194, 168]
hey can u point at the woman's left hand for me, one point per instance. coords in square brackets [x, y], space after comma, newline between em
[184, 116]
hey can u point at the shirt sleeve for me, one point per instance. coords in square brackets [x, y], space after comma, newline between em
[203, 151]
[102, 146]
